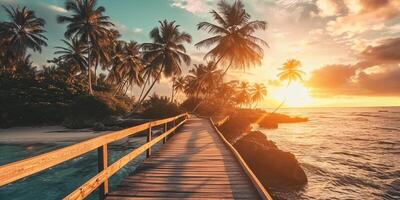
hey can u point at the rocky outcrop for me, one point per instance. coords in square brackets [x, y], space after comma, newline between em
[272, 166]
[271, 120]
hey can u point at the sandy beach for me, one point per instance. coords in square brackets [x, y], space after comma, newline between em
[45, 134]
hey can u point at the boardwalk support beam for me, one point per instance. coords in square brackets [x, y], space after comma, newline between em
[102, 165]
[165, 130]
[149, 134]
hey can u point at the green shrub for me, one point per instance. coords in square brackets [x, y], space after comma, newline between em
[160, 107]
[84, 111]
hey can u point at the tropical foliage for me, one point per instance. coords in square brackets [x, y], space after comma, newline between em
[166, 54]
[233, 42]
[95, 68]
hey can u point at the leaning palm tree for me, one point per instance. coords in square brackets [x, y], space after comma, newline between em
[167, 53]
[233, 42]
[23, 31]
[88, 23]
[290, 72]
[258, 92]
[73, 54]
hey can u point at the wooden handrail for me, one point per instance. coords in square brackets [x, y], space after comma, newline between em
[21, 169]
[257, 184]
[222, 121]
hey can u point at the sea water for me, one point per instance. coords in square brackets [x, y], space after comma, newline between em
[347, 153]
[60, 180]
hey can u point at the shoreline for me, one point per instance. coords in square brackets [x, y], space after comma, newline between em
[46, 134]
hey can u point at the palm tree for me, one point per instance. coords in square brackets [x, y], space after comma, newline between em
[205, 79]
[166, 53]
[179, 84]
[258, 93]
[23, 31]
[243, 96]
[88, 23]
[127, 65]
[290, 72]
[74, 54]
[233, 41]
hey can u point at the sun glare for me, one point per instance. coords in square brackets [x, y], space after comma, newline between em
[296, 95]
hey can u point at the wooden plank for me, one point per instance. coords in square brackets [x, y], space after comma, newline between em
[257, 184]
[88, 187]
[180, 195]
[194, 164]
[20, 169]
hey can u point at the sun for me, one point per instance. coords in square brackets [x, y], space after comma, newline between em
[296, 95]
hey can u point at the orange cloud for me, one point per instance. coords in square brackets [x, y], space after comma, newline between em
[363, 15]
[376, 74]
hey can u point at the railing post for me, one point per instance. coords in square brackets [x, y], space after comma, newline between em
[102, 154]
[174, 124]
[148, 151]
[165, 130]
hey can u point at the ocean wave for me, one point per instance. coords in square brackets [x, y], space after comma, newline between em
[348, 180]
[367, 115]
[314, 169]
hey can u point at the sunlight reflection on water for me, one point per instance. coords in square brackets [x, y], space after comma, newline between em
[347, 153]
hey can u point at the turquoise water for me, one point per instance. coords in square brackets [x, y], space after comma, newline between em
[59, 181]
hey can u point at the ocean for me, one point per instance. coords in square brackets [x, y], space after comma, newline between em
[347, 153]
[60, 180]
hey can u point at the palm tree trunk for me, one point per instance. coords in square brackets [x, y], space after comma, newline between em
[144, 86]
[89, 69]
[172, 91]
[95, 72]
[226, 70]
[127, 88]
[255, 106]
[151, 87]
[284, 100]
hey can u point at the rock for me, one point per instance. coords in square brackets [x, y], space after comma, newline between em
[268, 124]
[272, 166]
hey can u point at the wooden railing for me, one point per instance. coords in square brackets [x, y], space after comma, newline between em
[253, 178]
[21, 169]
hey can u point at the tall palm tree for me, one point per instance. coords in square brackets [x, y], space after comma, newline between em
[204, 80]
[290, 72]
[233, 41]
[73, 54]
[88, 23]
[194, 79]
[179, 84]
[166, 53]
[23, 31]
[259, 91]
[127, 65]
[243, 95]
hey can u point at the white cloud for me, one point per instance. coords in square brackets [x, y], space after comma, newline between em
[328, 7]
[137, 30]
[193, 6]
[124, 30]
[57, 8]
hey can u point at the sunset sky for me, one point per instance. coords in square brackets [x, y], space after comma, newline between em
[350, 49]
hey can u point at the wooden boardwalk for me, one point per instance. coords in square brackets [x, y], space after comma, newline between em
[194, 164]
